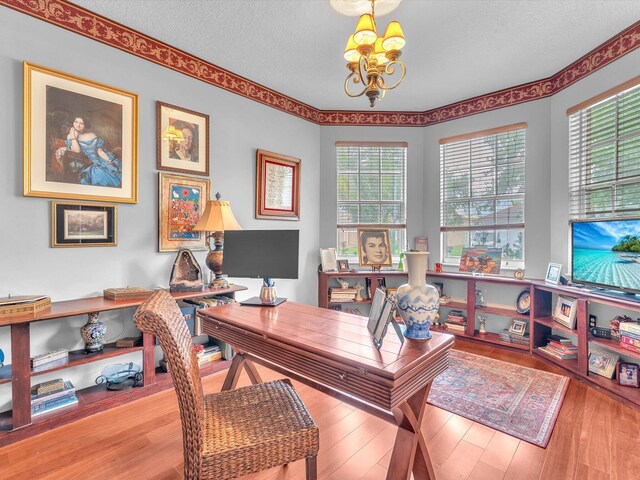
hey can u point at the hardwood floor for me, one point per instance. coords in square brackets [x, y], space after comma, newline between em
[595, 437]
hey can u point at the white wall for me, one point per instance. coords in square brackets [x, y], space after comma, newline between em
[238, 127]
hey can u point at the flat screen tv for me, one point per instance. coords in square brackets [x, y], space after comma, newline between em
[261, 253]
[606, 253]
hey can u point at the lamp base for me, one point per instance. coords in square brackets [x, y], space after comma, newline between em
[219, 283]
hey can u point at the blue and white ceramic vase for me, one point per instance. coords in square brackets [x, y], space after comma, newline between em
[418, 302]
[93, 333]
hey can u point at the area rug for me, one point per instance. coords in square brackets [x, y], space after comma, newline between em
[519, 401]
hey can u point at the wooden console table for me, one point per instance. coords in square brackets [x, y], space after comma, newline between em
[333, 352]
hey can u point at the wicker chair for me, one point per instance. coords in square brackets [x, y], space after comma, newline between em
[232, 433]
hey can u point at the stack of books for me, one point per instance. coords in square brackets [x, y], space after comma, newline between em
[630, 336]
[51, 395]
[204, 302]
[49, 357]
[338, 295]
[560, 347]
[208, 353]
[506, 336]
[456, 321]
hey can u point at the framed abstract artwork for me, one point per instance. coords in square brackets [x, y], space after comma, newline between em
[182, 201]
[277, 186]
[182, 140]
[80, 138]
[78, 224]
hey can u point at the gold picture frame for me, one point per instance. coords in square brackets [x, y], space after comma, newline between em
[181, 203]
[79, 224]
[374, 247]
[80, 138]
[277, 186]
[182, 140]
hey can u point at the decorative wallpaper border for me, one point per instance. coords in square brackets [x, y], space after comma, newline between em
[91, 25]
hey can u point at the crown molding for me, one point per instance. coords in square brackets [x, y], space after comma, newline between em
[91, 25]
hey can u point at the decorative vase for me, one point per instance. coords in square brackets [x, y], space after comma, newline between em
[418, 301]
[93, 333]
[268, 294]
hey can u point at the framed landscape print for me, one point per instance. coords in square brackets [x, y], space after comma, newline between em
[77, 224]
[80, 138]
[182, 140]
[277, 186]
[182, 201]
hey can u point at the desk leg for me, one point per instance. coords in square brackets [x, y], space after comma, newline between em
[410, 448]
[237, 364]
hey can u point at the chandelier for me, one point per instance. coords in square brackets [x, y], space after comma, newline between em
[372, 57]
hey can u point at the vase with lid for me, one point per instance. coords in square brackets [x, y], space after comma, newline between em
[418, 301]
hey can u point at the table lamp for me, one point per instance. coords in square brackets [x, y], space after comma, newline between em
[217, 218]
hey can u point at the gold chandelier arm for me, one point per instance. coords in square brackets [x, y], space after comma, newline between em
[356, 79]
[390, 69]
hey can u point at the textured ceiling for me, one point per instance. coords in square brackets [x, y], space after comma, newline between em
[456, 49]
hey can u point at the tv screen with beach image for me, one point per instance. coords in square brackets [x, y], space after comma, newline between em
[607, 254]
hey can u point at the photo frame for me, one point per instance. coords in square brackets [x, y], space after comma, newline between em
[440, 287]
[78, 224]
[277, 186]
[519, 327]
[343, 265]
[80, 138]
[182, 140]
[481, 260]
[374, 247]
[603, 362]
[554, 273]
[181, 203]
[628, 374]
[328, 259]
[565, 312]
[422, 244]
[380, 315]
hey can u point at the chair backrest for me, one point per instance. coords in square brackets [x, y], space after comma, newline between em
[160, 315]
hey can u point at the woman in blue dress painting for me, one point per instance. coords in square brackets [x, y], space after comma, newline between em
[104, 169]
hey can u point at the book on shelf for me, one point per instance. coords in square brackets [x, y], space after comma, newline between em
[204, 302]
[631, 348]
[37, 399]
[343, 290]
[53, 404]
[629, 330]
[509, 337]
[50, 386]
[629, 341]
[555, 354]
[456, 327]
[49, 357]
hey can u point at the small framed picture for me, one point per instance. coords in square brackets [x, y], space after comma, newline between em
[440, 287]
[277, 186]
[565, 312]
[374, 247]
[328, 259]
[553, 274]
[77, 224]
[343, 265]
[422, 244]
[603, 362]
[379, 317]
[518, 327]
[627, 374]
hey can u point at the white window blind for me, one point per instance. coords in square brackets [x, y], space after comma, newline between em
[371, 192]
[604, 157]
[482, 193]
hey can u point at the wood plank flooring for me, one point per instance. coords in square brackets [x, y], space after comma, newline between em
[595, 437]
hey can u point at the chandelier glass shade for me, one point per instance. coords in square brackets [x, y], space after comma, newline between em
[373, 59]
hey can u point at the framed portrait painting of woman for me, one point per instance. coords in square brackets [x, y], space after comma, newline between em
[374, 247]
[183, 140]
[81, 138]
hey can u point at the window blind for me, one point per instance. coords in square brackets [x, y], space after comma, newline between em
[482, 192]
[604, 157]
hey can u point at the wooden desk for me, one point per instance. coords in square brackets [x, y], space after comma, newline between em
[332, 351]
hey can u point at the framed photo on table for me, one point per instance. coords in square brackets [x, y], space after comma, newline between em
[182, 201]
[182, 140]
[76, 224]
[603, 362]
[628, 374]
[565, 312]
[277, 186]
[81, 138]
[553, 275]
[343, 265]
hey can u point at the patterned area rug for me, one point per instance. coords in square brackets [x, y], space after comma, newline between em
[519, 401]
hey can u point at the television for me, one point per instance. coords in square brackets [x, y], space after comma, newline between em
[261, 253]
[606, 254]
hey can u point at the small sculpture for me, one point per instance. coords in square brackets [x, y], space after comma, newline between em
[186, 274]
[479, 298]
[358, 290]
[483, 322]
[343, 283]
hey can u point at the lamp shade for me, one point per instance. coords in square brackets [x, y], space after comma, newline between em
[380, 52]
[393, 37]
[217, 217]
[365, 30]
[351, 51]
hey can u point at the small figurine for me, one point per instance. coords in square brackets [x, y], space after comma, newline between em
[483, 322]
[358, 290]
[479, 298]
[343, 283]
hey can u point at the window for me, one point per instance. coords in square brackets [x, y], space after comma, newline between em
[371, 189]
[604, 154]
[482, 185]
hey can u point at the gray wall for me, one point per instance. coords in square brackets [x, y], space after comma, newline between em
[238, 127]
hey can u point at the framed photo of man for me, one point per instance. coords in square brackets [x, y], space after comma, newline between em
[81, 138]
[374, 247]
[182, 140]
